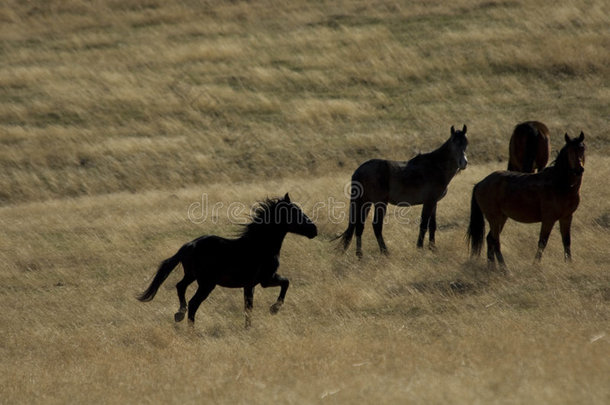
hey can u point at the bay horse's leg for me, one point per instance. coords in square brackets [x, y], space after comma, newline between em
[361, 214]
[491, 250]
[545, 231]
[283, 283]
[380, 210]
[564, 227]
[181, 288]
[498, 251]
[248, 304]
[201, 294]
[426, 211]
[432, 227]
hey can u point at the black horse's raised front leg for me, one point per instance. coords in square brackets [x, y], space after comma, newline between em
[248, 304]
[274, 281]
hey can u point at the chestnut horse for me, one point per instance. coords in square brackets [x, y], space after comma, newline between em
[547, 196]
[251, 259]
[421, 180]
[529, 147]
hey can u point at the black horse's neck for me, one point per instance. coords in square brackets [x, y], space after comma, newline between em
[265, 239]
[446, 160]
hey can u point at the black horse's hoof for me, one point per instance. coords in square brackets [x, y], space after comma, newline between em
[275, 308]
[178, 316]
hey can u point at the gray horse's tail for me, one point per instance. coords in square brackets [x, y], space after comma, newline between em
[165, 269]
[476, 228]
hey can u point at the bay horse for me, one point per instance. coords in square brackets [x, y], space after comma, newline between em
[421, 180]
[529, 147]
[547, 196]
[244, 262]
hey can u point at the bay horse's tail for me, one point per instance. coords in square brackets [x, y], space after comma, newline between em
[165, 268]
[476, 228]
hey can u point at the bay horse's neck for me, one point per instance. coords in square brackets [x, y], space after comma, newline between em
[564, 179]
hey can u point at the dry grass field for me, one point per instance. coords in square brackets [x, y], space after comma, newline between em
[123, 123]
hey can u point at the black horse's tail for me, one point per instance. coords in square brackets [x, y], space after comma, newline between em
[165, 268]
[476, 228]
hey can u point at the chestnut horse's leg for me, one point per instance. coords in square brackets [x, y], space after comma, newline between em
[201, 294]
[378, 214]
[248, 304]
[426, 211]
[274, 281]
[564, 227]
[545, 231]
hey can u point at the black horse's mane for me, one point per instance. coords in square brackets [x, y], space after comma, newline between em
[264, 213]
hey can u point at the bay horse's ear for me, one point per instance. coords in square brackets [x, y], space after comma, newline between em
[581, 137]
[452, 130]
[464, 129]
[287, 198]
[567, 137]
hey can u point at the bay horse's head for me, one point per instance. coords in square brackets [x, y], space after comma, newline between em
[575, 153]
[457, 144]
[293, 219]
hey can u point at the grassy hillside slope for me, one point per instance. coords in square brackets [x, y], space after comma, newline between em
[129, 127]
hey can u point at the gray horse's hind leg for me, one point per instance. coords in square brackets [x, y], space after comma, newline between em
[361, 213]
[378, 215]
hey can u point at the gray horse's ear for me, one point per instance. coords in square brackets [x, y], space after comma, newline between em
[452, 130]
[567, 137]
[581, 137]
[287, 198]
[464, 129]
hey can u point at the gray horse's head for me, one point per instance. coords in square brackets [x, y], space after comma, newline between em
[458, 143]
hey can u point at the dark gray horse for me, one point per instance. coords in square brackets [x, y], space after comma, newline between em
[421, 180]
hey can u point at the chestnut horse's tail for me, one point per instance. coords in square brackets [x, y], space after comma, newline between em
[476, 228]
[531, 149]
[165, 268]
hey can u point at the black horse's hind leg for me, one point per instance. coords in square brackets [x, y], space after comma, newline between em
[491, 250]
[181, 288]
[362, 211]
[283, 283]
[202, 293]
[425, 219]
[380, 210]
[564, 227]
[432, 228]
[248, 304]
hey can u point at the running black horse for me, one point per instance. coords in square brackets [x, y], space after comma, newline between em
[244, 262]
[421, 180]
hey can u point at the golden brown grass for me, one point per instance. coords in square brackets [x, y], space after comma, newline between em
[116, 116]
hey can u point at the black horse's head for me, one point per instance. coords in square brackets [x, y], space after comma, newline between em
[575, 153]
[458, 143]
[294, 219]
[283, 215]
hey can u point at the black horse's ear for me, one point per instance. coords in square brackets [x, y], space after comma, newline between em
[567, 137]
[287, 198]
[452, 130]
[581, 137]
[464, 129]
